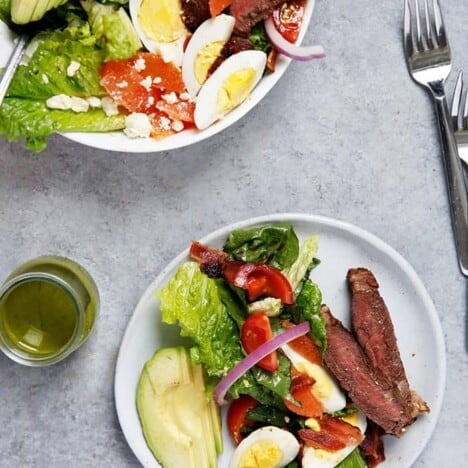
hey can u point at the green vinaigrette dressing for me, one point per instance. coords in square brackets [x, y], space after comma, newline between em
[39, 316]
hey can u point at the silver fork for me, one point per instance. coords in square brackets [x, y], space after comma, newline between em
[429, 62]
[460, 118]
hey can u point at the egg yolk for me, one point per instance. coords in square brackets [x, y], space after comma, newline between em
[262, 454]
[235, 89]
[205, 58]
[160, 20]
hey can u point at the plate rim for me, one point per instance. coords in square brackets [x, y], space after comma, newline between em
[345, 226]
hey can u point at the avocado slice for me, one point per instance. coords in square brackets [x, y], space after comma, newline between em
[181, 426]
[27, 11]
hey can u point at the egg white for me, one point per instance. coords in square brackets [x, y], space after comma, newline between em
[284, 440]
[325, 389]
[206, 111]
[212, 30]
[169, 51]
[319, 458]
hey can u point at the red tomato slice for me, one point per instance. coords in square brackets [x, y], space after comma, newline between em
[259, 280]
[237, 416]
[288, 18]
[255, 331]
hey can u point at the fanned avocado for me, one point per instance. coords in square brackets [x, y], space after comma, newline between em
[181, 426]
[27, 11]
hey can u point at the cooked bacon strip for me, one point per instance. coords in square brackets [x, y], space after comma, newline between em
[372, 447]
[374, 331]
[212, 261]
[334, 434]
[371, 391]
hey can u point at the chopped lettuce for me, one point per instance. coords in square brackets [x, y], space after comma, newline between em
[298, 270]
[45, 74]
[5, 11]
[31, 119]
[275, 244]
[192, 299]
[113, 30]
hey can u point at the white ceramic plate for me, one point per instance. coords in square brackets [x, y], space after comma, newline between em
[341, 247]
[118, 141]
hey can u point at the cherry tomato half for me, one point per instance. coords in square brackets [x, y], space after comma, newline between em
[237, 416]
[288, 18]
[259, 280]
[255, 331]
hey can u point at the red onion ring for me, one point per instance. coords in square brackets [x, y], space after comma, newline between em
[248, 362]
[291, 50]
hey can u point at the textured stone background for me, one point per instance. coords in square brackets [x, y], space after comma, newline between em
[349, 137]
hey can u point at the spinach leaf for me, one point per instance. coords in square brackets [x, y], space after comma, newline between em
[275, 244]
[278, 382]
[259, 38]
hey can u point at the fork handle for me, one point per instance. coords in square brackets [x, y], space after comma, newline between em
[458, 196]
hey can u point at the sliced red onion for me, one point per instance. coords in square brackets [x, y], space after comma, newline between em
[248, 362]
[291, 50]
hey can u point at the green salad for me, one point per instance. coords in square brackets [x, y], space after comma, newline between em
[89, 32]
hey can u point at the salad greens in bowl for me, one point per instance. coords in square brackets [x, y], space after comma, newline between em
[233, 341]
[144, 75]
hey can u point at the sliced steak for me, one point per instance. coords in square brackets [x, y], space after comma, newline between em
[250, 12]
[368, 388]
[194, 12]
[374, 331]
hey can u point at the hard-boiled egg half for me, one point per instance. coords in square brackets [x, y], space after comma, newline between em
[202, 50]
[229, 86]
[159, 25]
[325, 389]
[267, 447]
[321, 458]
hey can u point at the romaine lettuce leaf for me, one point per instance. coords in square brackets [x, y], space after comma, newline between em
[33, 120]
[192, 300]
[45, 74]
[113, 30]
[5, 11]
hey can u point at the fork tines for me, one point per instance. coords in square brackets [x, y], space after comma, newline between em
[433, 36]
[460, 105]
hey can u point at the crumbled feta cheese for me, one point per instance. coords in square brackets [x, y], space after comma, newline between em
[60, 101]
[137, 125]
[140, 64]
[109, 106]
[165, 123]
[184, 96]
[79, 104]
[150, 100]
[170, 98]
[122, 84]
[146, 83]
[72, 68]
[94, 102]
[45, 78]
[177, 126]
[157, 80]
[64, 102]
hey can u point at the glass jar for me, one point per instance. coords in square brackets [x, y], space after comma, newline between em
[48, 307]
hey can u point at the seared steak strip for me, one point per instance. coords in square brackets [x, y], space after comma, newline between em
[374, 331]
[368, 388]
[250, 12]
